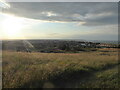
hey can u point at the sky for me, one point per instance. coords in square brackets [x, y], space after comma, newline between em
[59, 20]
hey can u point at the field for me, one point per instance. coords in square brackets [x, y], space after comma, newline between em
[95, 69]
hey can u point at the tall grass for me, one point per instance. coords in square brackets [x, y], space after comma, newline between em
[33, 70]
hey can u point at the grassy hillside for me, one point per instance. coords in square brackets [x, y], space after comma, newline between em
[86, 69]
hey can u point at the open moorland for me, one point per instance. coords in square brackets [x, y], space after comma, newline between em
[93, 69]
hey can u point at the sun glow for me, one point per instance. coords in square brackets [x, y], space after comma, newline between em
[12, 27]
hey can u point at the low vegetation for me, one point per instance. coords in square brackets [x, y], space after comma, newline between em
[53, 46]
[96, 69]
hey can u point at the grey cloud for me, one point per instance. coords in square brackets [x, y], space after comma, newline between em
[106, 20]
[95, 13]
[97, 37]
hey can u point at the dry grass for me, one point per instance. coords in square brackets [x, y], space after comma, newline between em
[21, 69]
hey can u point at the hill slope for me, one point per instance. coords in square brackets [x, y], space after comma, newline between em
[87, 69]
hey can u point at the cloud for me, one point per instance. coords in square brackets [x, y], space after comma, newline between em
[84, 13]
[95, 37]
[49, 14]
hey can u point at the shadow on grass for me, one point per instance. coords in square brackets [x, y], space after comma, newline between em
[66, 79]
[69, 78]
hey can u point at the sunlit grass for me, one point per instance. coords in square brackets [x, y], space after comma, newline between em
[22, 69]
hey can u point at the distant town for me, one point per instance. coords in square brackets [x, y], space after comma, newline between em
[54, 46]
